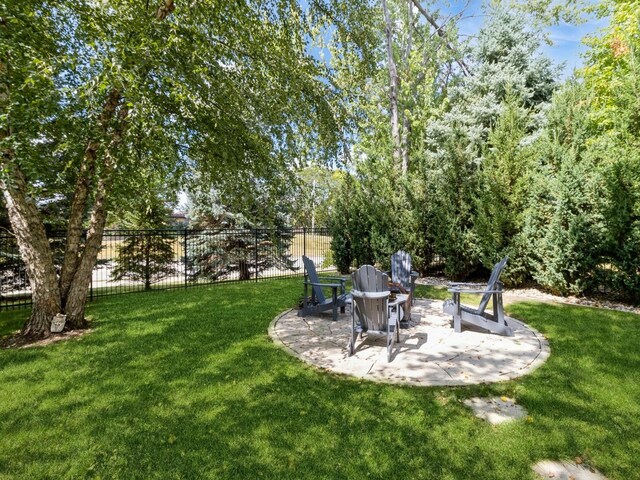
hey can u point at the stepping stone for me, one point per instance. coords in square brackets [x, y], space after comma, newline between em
[566, 471]
[496, 410]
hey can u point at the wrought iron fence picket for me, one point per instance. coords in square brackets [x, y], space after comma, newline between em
[134, 260]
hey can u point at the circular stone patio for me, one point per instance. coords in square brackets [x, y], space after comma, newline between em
[429, 352]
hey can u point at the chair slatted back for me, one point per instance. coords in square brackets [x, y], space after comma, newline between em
[310, 267]
[369, 279]
[373, 313]
[401, 268]
[492, 284]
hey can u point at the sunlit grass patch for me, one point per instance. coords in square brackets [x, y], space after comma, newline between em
[187, 384]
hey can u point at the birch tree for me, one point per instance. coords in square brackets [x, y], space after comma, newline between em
[225, 87]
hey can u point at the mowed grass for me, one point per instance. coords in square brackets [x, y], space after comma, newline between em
[187, 384]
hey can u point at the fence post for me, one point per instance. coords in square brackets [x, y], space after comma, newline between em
[256, 234]
[184, 258]
[304, 241]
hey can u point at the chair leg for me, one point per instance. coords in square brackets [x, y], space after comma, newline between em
[335, 303]
[457, 316]
[354, 333]
[393, 336]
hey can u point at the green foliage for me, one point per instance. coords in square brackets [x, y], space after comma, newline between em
[455, 184]
[373, 217]
[144, 256]
[233, 91]
[582, 217]
[313, 197]
[621, 211]
[146, 253]
[564, 225]
[612, 73]
[95, 95]
[343, 226]
[504, 178]
[226, 243]
[470, 145]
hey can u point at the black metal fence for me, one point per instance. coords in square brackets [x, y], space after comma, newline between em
[136, 260]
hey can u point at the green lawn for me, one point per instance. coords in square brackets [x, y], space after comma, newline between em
[187, 384]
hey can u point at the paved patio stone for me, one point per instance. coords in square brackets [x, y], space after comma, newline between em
[566, 471]
[496, 410]
[429, 352]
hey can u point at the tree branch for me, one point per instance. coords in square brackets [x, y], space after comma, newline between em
[442, 34]
[165, 10]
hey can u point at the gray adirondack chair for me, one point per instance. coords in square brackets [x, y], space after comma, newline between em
[370, 308]
[479, 317]
[318, 302]
[402, 274]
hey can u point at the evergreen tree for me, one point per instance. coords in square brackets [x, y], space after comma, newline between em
[563, 221]
[147, 253]
[342, 225]
[504, 177]
[505, 62]
[225, 243]
[612, 76]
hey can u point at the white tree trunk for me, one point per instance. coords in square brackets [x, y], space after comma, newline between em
[394, 87]
[34, 249]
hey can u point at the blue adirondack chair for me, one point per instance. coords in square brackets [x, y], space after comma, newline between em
[479, 317]
[317, 302]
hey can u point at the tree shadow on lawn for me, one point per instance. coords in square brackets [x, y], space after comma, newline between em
[588, 390]
[149, 401]
[197, 390]
[289, 421]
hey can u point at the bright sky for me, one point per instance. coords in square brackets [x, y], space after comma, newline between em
[567, 39]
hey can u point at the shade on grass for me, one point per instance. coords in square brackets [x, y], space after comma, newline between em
[187, 384]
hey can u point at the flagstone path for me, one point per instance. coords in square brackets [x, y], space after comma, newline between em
[429, 352]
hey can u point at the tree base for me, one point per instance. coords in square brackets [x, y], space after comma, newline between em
[17, 340]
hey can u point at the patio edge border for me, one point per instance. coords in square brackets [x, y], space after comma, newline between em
[541, 358]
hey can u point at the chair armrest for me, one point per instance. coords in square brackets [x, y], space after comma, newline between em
[340, 279]
[457, 290]
[328, 285]
[414, 274]
[453, 284]
[359, 294]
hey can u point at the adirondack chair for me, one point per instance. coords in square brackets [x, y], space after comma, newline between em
[479, 317]
[318, 302]
[402, 274]
[370, 308]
